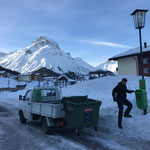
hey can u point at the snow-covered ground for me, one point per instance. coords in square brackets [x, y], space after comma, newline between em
[135, 134]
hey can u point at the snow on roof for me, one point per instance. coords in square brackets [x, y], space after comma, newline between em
[50, 77]
[25, 74]
[63, 75]
[133, 51]
[2, 71]
[71, 80]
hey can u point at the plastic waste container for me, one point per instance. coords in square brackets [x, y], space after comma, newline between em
[37, 95]
[81, 111]
[141, 99]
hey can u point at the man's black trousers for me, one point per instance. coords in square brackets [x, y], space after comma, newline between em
[120, 113]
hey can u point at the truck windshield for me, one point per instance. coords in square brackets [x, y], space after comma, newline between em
[27, 95]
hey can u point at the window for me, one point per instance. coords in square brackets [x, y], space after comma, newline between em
[27, 96]
[145, 60]
[146, 70]
[51, 92]
[46, 92]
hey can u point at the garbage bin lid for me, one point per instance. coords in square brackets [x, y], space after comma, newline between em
[140, 91]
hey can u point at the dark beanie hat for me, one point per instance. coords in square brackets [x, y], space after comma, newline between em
[124, 79]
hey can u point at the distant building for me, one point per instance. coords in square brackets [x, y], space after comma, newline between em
[99, 73]
[63, 81]
[3, 74]
[28, 77]
[129, 62]
[25, 77]
[37, 77]
[53, 79]
[46, 72]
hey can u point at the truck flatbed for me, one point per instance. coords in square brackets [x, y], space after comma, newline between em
[52, 110]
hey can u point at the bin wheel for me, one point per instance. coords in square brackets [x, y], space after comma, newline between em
[145, 111]
[45, 126]
[77, 132]
[95, 127]
[22, 118]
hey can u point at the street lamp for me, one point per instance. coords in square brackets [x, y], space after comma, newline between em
[139, 23]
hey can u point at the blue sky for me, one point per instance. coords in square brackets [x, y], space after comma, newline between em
[94, 30]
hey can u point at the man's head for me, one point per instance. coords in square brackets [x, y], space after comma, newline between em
[124, 81]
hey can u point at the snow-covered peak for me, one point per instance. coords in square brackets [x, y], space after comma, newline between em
[44, 53]
[108, 65]
[44, 41]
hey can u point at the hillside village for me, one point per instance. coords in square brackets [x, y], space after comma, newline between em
[47, 75]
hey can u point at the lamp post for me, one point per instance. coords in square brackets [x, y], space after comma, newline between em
[139, 23]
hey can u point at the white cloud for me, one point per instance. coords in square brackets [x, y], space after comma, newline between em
[107, 44]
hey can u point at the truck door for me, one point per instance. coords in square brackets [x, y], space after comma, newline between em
[27, 105]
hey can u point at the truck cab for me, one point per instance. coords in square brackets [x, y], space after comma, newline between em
[43, 104]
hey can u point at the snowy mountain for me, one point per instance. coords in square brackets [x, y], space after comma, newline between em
[81, 62]
[2, 54]
[44, 53]
[108, 65]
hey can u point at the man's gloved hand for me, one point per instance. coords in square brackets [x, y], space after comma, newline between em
[132, 91]
[114, 99]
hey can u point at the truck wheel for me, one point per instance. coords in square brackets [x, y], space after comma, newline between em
[21, 117]
[45, 127]
[95, 127]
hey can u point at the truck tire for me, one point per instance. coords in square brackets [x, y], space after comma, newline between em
[45, 127]
[21, 117]
[95, 127]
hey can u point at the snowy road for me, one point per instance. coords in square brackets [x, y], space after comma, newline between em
[14, 135]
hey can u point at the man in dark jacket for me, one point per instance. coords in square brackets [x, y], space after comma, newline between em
[120, 96]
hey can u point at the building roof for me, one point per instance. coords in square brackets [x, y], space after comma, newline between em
[63, 75]
[25, 74]
[37, 74]
[130, 52]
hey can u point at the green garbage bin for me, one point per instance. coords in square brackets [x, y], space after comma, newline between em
[141, 99]
[37, 95]
[81, 112]
[75, 99]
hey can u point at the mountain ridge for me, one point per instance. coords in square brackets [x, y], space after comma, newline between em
[44, 53]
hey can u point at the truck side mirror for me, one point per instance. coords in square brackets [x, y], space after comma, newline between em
[20, 97]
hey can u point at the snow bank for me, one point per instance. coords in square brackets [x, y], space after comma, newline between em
[101, 89]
